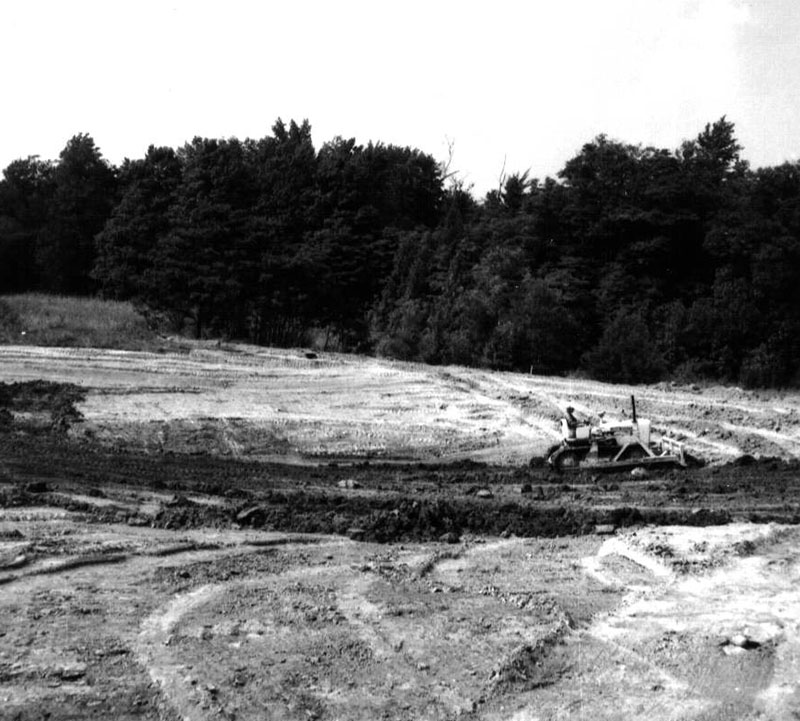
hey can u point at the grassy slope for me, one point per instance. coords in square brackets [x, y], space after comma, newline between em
[47, 320]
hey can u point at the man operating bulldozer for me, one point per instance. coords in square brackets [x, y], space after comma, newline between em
[572, 421]
[613, 444]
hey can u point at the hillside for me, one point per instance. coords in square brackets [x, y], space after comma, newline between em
[251, 402]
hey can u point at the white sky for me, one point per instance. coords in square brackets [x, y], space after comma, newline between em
[516, 84]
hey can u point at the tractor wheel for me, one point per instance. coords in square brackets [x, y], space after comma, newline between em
[567, 459]
[548, 456]
[693, 461]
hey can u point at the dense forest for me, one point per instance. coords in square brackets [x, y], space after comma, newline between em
[634, 264]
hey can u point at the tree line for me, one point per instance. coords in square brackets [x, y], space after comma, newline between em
[632, 265]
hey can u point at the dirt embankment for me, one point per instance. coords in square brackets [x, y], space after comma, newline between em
[381, 502]
[259, 403]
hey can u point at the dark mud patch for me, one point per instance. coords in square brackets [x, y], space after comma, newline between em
[384, 502]
[36, 406]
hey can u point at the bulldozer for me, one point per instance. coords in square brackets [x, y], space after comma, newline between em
[615, 446]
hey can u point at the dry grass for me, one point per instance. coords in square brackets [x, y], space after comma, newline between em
[62, 321]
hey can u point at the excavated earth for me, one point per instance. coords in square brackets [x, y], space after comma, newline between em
[243, 533]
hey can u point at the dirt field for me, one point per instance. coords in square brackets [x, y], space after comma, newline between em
[254, 402]
[246, 533]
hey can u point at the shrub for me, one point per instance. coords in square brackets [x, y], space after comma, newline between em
[775, 362]
[626, 352]
[10, 324]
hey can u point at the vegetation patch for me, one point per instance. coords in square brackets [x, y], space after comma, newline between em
[64, 321]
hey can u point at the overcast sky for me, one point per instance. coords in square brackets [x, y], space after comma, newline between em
[508, 84]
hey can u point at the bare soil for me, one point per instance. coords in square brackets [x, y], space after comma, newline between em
[243, 533]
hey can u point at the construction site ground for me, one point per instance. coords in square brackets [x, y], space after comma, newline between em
[240, 533]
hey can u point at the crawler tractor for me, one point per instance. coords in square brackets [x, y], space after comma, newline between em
[614, 446]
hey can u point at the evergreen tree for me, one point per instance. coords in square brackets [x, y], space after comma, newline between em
[26, 192]
[83, 197]
[196, 273]
[284, 305]
[127, 245]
